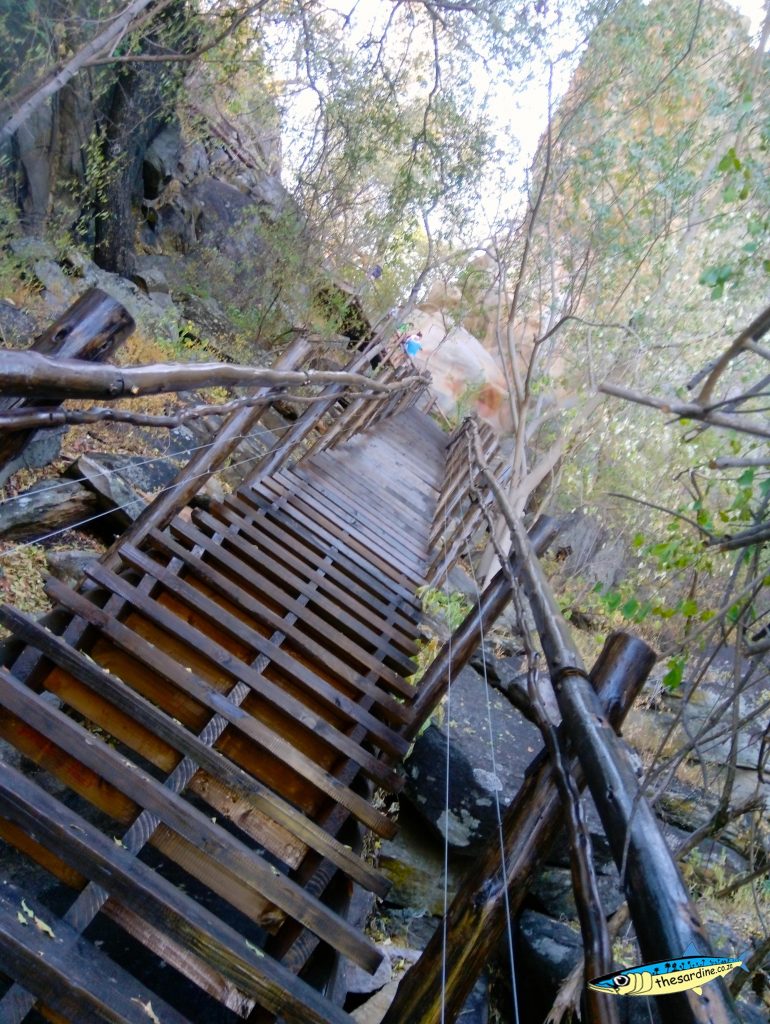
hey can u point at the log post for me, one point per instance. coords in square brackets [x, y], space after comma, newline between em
[456, 653]
[665, 920]
[91, 330]
[476, 920]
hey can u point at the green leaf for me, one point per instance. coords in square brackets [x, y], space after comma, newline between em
[729, 161]
[673, 678]
[638, 540]
[630, 608]
[689, 608]
[746, 479]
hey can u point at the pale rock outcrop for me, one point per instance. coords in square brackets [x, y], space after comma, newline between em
[466, 377]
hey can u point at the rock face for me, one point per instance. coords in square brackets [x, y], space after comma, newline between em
[476, 778]
[465, 377]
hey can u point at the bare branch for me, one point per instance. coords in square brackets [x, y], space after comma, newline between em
[32, 375]
[30, 417]
[686, 410]
[749, 334]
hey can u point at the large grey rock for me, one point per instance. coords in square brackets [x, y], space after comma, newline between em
[226, 220]
[161, 160]
[60, 289]
[415, 867]
[17, 327]
[46, 506]
[552, 892]
[70, 564]
[546, 952]
[40, 450]
[159, 319]
[588, 549]
[477, 779]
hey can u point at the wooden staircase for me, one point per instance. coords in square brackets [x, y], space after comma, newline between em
[209, 721]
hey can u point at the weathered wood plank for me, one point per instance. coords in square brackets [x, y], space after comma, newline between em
[141, 711]
[399, 549]
[246, 602]
[338, 702]
[354, 562]
[306, 507]
[364, 613]
[131, 882]
[270, 803]
[68, 973]
[256, 574]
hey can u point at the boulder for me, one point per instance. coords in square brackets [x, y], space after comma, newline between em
[415, 867]
[226, 220]
[465, 377]
[17, 327]
[70, 564]
[474, 779]
[46, 506]
[116, 479]
[546, 952]
[161, 160]
[586, 548]
[41, 450]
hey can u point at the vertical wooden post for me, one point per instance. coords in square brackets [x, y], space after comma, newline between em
[665, 920]
[456, 654]
[91, 329]
[476, 919]
[205, 462]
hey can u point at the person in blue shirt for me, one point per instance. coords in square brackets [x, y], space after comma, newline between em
[413, 344]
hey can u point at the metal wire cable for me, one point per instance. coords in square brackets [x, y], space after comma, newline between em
[76, 526]
[136, 465]
[493, 758]
[446, 794]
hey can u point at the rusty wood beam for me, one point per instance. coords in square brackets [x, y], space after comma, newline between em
[477, 917]
[134, 884]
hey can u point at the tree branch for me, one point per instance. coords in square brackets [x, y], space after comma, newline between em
[31, 375]
[30, 417]
[686, 410]
[57, 79]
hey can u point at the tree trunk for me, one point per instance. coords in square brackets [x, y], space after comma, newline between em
[143, 97]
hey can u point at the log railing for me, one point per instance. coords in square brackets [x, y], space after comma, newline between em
[591, 706]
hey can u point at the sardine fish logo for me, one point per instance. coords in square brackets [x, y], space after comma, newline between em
[666, 976]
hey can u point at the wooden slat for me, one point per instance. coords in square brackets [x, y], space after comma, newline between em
[134, 884]
[255, 572]
[246, 602]
[184, 741]
[167, 668]
[309, 526]
[377, 529]
[247, 879]
[402, 526]
[365, 612]
[305, 507]
[338, 702]
[69, 974]
[310, 543]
